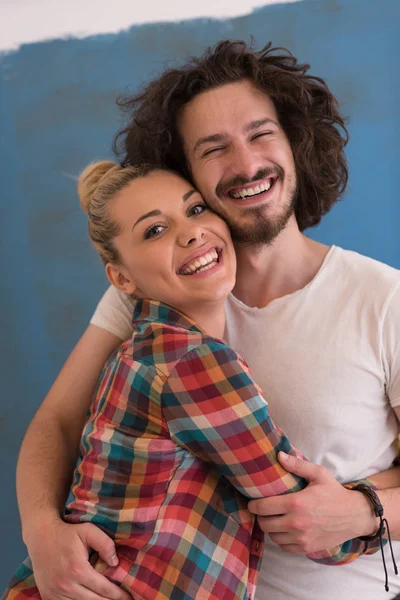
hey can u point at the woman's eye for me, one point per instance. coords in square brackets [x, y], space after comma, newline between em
[197, 209]
[154, 231]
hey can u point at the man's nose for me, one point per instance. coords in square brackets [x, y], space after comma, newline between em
[245, 161]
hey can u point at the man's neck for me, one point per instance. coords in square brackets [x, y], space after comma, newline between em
[274, 271]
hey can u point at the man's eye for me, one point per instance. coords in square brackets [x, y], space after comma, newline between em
[258, 135]
[153, 231]
[197, 209]
[212, 150]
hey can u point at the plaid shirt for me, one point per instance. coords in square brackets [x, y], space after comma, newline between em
[178, 439]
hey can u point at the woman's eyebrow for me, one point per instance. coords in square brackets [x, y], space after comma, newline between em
[189, 194]
[157, 212]
[152, 213]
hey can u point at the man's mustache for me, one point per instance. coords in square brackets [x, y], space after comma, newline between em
[239, 180]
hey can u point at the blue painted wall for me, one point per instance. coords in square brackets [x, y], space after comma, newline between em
[57, 113]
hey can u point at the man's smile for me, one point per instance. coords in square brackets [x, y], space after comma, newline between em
[254, 190]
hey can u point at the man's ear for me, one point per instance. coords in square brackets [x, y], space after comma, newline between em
[119, 277]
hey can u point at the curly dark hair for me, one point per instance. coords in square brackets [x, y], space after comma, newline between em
[307, 110]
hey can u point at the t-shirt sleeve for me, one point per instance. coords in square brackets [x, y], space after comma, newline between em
[214, 409]
[391, 347]
[114, 313]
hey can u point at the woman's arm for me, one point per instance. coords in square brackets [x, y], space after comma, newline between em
[214, 408]
[46, 462]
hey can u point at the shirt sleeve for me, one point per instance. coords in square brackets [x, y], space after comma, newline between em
[391, 347]
[114, 313]
[214, 409]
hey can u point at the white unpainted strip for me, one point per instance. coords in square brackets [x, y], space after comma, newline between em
[26, 21]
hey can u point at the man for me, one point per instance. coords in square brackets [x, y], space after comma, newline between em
[263, 141]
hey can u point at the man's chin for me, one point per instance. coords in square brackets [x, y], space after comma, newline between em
[261, 233]
[253, 238]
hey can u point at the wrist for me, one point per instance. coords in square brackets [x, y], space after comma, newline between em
[377, 507]
[364, 520]
[32, 529]
[368, 522]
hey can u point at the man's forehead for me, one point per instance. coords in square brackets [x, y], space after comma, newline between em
[212, 108]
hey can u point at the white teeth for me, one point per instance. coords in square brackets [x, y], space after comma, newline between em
[207, 267]
[249, 192]
[201, 263]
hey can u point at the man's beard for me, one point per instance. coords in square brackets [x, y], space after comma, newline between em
[261, 230]
[255, 228]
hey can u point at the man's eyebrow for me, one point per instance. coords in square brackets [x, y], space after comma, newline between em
[259, 123]
[220, 137]
[152, 213]
[216, 137]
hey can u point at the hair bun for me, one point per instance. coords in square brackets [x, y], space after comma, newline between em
[92, 177]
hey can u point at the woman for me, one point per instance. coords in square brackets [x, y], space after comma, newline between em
[179, 434]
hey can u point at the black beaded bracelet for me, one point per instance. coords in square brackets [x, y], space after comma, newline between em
[378, 512]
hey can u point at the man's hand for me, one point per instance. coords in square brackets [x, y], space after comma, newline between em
[323, 515]
[61, 567]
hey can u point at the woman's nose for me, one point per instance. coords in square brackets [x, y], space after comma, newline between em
[190, 236]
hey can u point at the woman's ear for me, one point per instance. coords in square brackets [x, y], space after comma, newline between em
[119, 278]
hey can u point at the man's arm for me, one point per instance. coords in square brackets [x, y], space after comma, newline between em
[46, 462]
[389, 495]
[325, 514]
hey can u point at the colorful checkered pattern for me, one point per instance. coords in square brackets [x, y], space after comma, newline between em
[178, 439]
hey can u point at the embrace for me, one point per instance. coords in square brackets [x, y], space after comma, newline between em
[187, 487]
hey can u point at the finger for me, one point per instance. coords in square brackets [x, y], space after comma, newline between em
[100, 587]
[83, 584]
[303, 468]
[277, 505]
[273, 524]
[282, 539]
[74, 592]
[93, 537]
[292, 549]
[80, 592]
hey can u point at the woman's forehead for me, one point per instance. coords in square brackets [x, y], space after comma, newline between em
[159, 190]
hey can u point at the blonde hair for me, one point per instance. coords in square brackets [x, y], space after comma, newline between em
[98, 184]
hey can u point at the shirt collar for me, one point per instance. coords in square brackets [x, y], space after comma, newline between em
[153, 311]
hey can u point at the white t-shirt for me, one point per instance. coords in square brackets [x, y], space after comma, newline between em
[328, 360]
